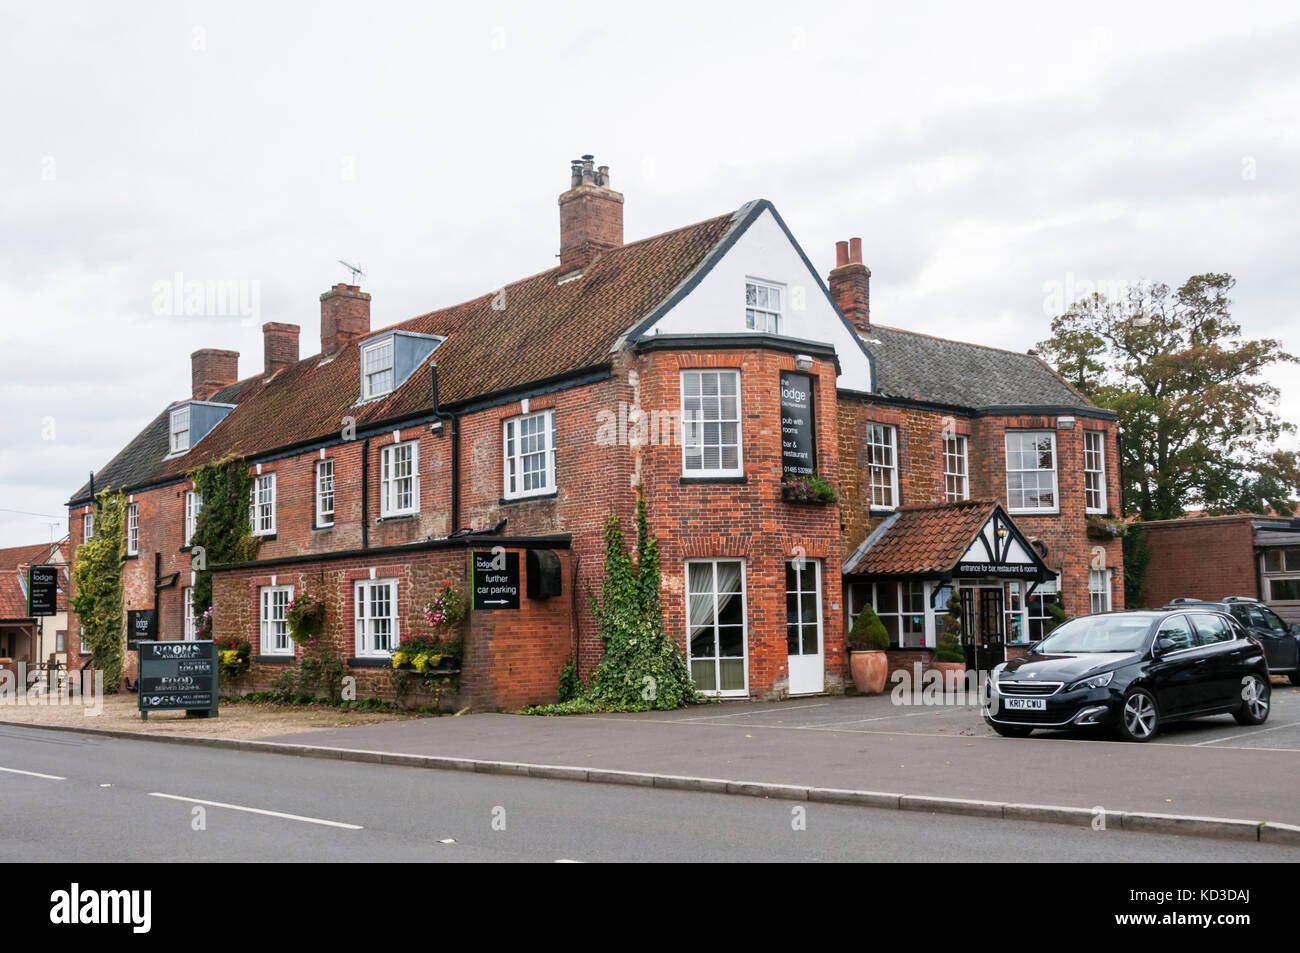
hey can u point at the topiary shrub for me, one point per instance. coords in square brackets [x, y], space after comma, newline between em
[949, 648]
[868, 632]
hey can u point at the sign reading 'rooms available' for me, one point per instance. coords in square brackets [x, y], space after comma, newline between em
[496, 580]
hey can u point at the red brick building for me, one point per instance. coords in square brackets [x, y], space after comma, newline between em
[710, 366]
[1214, 557]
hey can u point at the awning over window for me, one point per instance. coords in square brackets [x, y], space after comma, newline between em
[971, 539]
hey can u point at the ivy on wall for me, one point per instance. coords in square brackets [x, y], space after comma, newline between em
[221, 533]
[97, 575]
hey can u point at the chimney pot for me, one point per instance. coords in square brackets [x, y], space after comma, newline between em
[591, 215]
[211, 370]
[850, 283]
[344, 317]
[279, 346]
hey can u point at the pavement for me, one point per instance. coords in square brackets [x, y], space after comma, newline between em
[1207, 768]
[89, 798]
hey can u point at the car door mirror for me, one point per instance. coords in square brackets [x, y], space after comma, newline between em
[1165, 645]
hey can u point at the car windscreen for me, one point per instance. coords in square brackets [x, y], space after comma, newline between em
[1098, 633]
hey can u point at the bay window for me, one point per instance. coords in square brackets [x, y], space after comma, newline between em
[711, 423]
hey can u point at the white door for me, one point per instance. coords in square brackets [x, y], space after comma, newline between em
[803, 628]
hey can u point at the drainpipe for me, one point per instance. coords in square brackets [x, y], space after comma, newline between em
[365, 493]
[454, 421]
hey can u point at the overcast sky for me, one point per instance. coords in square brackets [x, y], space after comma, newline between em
[982, 155]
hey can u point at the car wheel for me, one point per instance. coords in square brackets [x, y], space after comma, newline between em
[1139, 716]
[1011, 731]
[1254, 701]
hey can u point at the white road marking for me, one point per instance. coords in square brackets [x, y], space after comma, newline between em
[258, 810]
[1245, 734]
[741, 714]
[34, 774]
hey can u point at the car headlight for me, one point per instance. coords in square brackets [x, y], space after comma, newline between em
[1093, 681]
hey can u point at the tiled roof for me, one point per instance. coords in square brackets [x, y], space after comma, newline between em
[13, 566]
[937, 370]
[535, 329]
[920, 540]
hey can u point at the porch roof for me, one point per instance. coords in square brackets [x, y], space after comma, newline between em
[944, 540]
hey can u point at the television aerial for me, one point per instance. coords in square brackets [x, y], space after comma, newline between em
[356, 270]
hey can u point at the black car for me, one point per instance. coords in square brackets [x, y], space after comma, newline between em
[1132, 672]
[1281, 642]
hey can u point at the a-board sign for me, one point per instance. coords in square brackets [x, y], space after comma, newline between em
[42, 591]
[798, 430]
[178, 675]
[495, 578]
[141, 626]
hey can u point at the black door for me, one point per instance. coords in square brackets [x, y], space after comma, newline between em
[1224, 653]
[992, 637]
[1179, 671]
[1279, 644]
[968, 629]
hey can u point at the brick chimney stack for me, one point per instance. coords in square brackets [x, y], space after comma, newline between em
[211, 370]
[344, 317]
[850, 282]
[279, 346]
[591, 215]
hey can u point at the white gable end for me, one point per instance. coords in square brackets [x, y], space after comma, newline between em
[765, 255]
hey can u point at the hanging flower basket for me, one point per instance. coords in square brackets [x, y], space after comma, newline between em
[1099, 527]
[447, 607]
[306, 618]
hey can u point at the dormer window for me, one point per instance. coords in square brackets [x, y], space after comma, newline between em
[762, 307]
[377, 369]
[180, 429]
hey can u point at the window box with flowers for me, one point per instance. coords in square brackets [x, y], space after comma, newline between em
[1099, 527]
[810, 490]
[432, 658]
[233, 656]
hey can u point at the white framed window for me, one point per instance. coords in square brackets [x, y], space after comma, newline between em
[882, 464]
[1031, 471]
[376, 617]
[1094, 471]
[324, 493]
[1282, 574]
[191, 623]
[377, 374]
[956, 469]
[711, 423]
[529, 454]
[133, 529]
[715, 625]
[87, 525]
[1038, 613]
[261, 513]
[399, 479]
[193, 506]
[275, 620]
[903, 607]
[180, 429]
[763, 307]
[1099, 590]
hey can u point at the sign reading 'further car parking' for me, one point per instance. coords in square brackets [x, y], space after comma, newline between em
[496, 580]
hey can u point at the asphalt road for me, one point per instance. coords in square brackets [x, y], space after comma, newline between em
[84, 798]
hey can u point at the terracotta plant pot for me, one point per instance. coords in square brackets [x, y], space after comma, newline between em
[869, 669]
[954, 673]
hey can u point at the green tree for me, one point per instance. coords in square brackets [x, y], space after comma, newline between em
[1198, 418]
[97, 576]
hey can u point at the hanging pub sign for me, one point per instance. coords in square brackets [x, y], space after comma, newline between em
[495, 578]
[178, 675]
[798, 433]
[42, 591]
[141, 626]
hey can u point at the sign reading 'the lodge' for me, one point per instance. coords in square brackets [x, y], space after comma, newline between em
[798, 442]
[141, 626]
[496, 579]
[42, 591]
[178, 675]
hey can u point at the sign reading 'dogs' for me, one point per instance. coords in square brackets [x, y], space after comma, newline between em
[42, 591]
[798, 441]
[178, 675]
[141, 626]
[496, 579]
